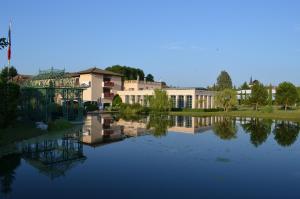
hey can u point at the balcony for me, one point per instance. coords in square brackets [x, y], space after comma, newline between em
[108, 84]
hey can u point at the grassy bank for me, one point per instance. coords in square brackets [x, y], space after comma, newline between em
[18, 131]
[293, 115]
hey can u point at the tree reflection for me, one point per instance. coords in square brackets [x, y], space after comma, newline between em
[159, 124]
[8, 164]
[286, 132]
[259, 130]
[225, 129]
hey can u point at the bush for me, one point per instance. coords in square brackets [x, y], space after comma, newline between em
[60, 124]
[89, 106]
[267, 109]
[133, 109]
[202, 110]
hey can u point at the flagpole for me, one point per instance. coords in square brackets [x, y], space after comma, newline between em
[9, 48]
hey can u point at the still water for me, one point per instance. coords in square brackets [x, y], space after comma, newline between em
[157, 157]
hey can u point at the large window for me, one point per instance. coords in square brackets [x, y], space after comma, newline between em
[173, 100]
[133, 99]
[189, 101]
[127, 99]
[180, 101]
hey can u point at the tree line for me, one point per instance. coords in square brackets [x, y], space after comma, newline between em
[287, 94]
[131, 73]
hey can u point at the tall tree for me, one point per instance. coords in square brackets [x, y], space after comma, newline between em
[7, 74]
[286, 94]
[224, 81]
[259, 95]
[150, 78]
[160, 101]
[244, 86]
[226, 99]
[129, 73]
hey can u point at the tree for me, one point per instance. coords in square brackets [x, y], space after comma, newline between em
[3, 43]
[244, 86]
[259, 130]
[9, 95]
[160, 101]
[270, 95]
[224, 81]
[286, 94]
[226, 99]
[259, 95]
[129, 73]
[225, 129]
[8, 73]
[117, 101]
[150, 78]
[286, 132]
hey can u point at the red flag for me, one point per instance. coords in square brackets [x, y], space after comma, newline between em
[9, 44]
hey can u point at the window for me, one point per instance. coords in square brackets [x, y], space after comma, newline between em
[189, 101]
[127, 99]
[133, 99]
[138, 99]
[173, 100]
[180, 101]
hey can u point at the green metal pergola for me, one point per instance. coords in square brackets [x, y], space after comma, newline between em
[52, 94]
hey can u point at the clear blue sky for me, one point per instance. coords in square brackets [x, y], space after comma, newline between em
[182, 42]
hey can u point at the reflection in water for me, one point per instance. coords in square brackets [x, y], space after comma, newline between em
[158, 124]
[225, 128]
[286, 132]
[101, 129]
[54, 156]
[8, 164]
[259, 130]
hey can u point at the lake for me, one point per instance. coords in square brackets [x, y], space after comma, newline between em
[157, 157]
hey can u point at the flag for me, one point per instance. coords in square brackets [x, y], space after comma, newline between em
[9, 44]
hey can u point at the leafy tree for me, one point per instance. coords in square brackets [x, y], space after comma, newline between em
[3, 43]
[270, 95]
[9, 95]
[244, 86]
[286, 132]
[150, 78]
[226, 99]
[225, 129]
[158, 123]
[160, 101]
[224, 81]
[117, 101]
[259, 130]
[286, 94]
[259, 95]
[129, 73]
[8, 73]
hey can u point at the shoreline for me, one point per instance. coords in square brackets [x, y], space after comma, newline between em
[276, 115]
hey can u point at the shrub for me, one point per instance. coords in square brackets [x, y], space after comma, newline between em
[60, 124]
[268, 109]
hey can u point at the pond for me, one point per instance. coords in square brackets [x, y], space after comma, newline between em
[157, 157]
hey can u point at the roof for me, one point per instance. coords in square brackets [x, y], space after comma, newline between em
[185, 88]
[96, 70]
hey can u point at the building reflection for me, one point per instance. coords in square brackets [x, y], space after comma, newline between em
[53, 156]
[101, 129]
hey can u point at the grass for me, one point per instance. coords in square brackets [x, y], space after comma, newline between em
[292, 115]
[17, 132]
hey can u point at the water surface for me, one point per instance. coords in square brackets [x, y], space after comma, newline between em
[157, 157]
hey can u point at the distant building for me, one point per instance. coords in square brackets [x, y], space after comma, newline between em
[140, 91]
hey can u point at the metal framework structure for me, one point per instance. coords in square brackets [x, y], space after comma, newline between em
[52, 94]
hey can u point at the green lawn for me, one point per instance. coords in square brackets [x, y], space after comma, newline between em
[293, 115]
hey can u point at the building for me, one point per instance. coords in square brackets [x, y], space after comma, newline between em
[102, 85]
[140, 91]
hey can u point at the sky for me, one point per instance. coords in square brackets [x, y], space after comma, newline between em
[181, 42]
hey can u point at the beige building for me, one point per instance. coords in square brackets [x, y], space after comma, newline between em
[139, 92]
[102, 85]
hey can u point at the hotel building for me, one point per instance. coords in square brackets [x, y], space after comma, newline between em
[136, 91]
